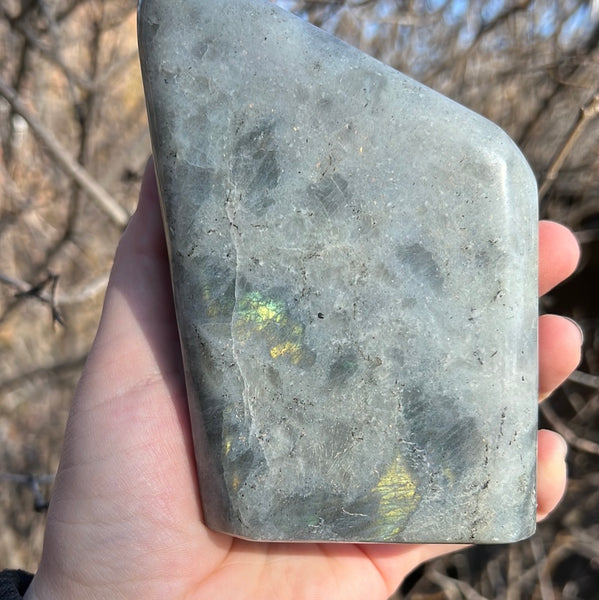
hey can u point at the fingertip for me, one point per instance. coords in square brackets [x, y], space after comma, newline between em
[559, 254]
[560, 341]
[144, 234]
[149, 187]
[551, 471]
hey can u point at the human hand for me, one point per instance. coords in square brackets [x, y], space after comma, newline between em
[125, 517]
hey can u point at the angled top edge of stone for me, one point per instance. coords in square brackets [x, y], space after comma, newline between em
[354, 271]
[183, 17]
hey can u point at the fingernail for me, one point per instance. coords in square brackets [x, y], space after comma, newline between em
[564, 445]
[559, 444]
[580, 331]
[562, 442]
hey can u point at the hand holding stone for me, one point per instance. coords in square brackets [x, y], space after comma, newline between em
[125, 517]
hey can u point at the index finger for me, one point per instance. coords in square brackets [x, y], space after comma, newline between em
[558, 254]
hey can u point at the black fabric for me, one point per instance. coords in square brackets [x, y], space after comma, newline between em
[14, 584]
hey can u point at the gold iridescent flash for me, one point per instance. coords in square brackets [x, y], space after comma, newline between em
[398, 497]
[269, 318]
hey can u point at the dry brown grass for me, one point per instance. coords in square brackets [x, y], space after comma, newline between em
[49, 226]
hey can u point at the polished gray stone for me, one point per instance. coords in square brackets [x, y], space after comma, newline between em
[354, 268]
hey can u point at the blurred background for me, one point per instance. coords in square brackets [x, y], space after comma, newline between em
[73, 145]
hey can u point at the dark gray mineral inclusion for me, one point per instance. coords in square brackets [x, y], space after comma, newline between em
[354, 269]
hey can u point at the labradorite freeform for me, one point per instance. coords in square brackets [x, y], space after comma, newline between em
[354, 269]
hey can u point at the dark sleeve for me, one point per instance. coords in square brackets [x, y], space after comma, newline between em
[14, 584]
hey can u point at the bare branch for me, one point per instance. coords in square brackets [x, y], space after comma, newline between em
[48, 52]
[514, 572]
[38, 291]
[570, 436]
[586, 379]
[34, 482]
[538, 552]
[587, 236]
[43, 372]
[91, 290]
[94, 190]
[54, 300]
[495, 23]
[587, 113]
[454, 588]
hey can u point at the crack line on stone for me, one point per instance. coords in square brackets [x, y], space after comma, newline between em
[235, 235]
[234, 241]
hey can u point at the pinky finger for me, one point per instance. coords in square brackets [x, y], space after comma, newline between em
[551, 472]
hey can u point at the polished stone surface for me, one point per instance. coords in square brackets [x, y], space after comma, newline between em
[354, 267]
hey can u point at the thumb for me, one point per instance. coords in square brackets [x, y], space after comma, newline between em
[138, 325]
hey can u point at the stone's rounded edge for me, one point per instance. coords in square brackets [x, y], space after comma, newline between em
[497, 143]
[508, 535]
[141, 6]
[501, 145]
[518, 161]
[514, 538]
[509, 538]
[520, 183]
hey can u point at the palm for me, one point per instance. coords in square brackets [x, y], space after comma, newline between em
[125, 514]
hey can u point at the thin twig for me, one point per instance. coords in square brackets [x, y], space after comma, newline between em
[495, 578]
[454, 588]
[514, 571]
[538, 552]
[587, 236]
[584, 544]
[572, 438]
[586, 115]
[39, 291]
[586, 379]
[94, 190]
[90, 290]
[25, 478]
[43, 372]
[484, 28]
[52, 298]
[50, 54]
[34, 482]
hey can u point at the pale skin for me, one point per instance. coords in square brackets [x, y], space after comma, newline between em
[125, 519]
